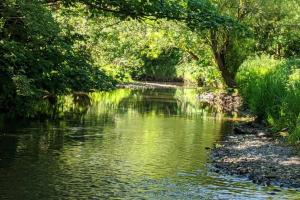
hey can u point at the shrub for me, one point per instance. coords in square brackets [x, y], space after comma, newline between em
[38, 58]
[271, 90]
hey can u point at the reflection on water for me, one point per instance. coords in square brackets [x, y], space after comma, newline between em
[131, 144]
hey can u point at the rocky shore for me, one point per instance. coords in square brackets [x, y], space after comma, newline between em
[251, 152]
[223, 102]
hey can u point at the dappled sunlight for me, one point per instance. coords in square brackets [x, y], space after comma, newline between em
[262, 160]
[255, 144]
[122, 144]
[291, 161]
[133, 99]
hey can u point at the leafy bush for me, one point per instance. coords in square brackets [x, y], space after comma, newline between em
[173, 64]
[38, 58]
[160, 68]
[200, 73]
[271, 89]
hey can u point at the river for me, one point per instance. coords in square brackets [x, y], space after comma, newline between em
[128, 144]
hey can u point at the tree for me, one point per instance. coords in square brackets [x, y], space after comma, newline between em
[38, 59]
[199, 15]
[275, 25]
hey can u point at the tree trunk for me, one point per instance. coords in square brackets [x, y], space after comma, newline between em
[219, 56]
[226, 75]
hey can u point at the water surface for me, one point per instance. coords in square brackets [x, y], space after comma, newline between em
[129, 144]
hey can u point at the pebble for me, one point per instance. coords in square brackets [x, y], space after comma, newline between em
[259, 158]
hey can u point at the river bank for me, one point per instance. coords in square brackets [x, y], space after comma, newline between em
[150, 85]
[252, 152]
[222, 101]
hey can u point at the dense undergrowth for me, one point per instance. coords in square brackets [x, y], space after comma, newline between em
[40, 61]
[271, 89]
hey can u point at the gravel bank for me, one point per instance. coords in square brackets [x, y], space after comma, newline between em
[151, 85]
[259, 157]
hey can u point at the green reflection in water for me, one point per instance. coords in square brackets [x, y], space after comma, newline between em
[143, 144]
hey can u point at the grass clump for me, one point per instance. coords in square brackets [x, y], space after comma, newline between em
[271, 90]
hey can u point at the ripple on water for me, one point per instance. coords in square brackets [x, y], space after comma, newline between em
[124, 147]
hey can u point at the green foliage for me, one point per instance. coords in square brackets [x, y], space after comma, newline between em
[271, 89]
[275, 27]
[36, 58]
[158, 50]
[160, 68]
[63, 46]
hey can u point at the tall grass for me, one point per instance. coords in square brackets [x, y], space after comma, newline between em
[271, 90]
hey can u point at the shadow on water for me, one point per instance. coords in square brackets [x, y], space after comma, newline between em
[131, 144]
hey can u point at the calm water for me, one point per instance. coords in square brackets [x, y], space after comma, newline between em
[129, 144]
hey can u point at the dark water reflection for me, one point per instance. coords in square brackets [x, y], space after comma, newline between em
[129, 144]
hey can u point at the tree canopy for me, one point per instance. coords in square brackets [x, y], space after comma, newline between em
[51, 47]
